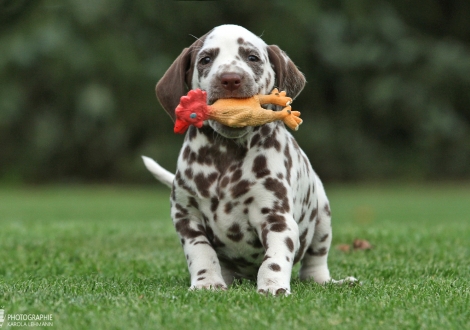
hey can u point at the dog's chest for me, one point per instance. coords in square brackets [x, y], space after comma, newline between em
[228, 186]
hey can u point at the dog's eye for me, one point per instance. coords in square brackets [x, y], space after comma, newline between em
[253, 58]
[205, 60]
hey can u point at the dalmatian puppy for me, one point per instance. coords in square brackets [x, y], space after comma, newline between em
[245, 202]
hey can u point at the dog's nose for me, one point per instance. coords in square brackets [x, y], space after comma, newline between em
[231, 81]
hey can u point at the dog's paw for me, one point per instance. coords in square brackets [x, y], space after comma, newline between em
[215, 286]
[209, 283]
[351, 281]
[275, 291]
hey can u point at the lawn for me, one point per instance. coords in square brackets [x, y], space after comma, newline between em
[108, 258]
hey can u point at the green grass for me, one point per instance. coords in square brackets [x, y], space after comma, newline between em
[108, 258]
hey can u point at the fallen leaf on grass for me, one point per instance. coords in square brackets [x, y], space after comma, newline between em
[361, 244]
[358, 244]
[344, 247]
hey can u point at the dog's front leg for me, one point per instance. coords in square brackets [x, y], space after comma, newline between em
[280, 238]
[203, 264]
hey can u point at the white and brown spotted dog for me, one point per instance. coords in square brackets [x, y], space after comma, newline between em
[245, 202]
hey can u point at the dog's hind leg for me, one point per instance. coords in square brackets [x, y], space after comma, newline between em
[314, 264]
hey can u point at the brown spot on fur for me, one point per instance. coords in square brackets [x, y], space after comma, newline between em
[327, 209]
[279, 190]
[193, 202]
[289, 244]
[256, 66]
[303, 246]
[236, 175]
[184, 229]
[260, 166]
[181, 183]
[313, 214]
[214, 204]
[271, 142]
[235, 233]
[240, 188]
[203, 182]
[288, 162]
[319, 253]
[276, 218]
[265, 130]
[274, 267]
[278, 227]
[189, 173]
[249, 200]
[265, 210]
[192, 133]
[254, 140]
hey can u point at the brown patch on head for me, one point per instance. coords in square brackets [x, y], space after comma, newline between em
[205, 60]
[288, 77]
[177, 79]
[253, 59]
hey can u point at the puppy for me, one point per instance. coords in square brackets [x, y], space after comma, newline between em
[245, 202]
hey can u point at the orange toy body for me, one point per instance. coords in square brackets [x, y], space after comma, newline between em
[193, 110]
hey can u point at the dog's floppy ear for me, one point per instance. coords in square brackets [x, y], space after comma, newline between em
[177, 79]
[288, 77]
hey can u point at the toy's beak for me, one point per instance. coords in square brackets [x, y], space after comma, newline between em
[180, 126]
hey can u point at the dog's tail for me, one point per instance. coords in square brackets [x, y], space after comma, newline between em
[159, 172]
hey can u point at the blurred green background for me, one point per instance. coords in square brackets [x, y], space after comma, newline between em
[387, 98]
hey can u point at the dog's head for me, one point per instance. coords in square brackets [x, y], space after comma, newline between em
[228, 62]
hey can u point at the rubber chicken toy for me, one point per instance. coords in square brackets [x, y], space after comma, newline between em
[193, 110]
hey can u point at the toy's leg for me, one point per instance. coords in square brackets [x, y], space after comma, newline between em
[276, 97]
[291, 118]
